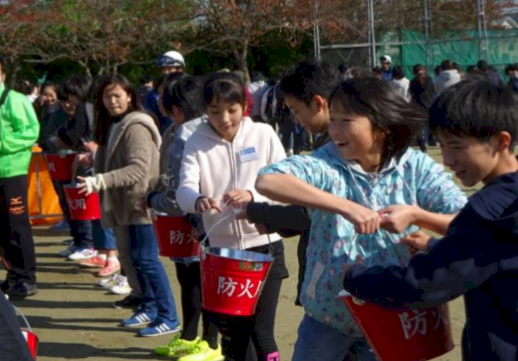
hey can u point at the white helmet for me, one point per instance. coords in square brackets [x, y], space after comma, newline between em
[171, 58]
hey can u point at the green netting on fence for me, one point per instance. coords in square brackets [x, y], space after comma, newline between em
[461, 47]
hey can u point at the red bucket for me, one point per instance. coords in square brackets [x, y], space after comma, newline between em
[32, 341]
[177, 238]
[232, 280]
[403, 335]
[60, 166]
[82, 207]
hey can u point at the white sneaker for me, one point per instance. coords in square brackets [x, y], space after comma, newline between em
[109, 282]
[82, 254]
[67, 252]
[122, 288]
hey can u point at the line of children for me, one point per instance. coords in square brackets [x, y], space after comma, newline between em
[345, 184]
[348, 196]
[476, 126]
[219, 168]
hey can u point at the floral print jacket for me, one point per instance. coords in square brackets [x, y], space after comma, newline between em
[414, 179]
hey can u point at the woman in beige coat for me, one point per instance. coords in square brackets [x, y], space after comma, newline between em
[126, 163]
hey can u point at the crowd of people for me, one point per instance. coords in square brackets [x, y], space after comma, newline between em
[204, 148]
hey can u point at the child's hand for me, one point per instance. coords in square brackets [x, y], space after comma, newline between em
[238, 197]
[88, 185]
[90, 146]
[85, 159]
[397, 218]
[262, 228]
[415, 242]
[366, 221]
[203, 204]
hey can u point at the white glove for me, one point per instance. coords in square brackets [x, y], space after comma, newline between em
[93, 184]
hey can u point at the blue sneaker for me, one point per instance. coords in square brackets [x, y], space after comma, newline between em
[61, 226]
[139, 318]
[160, 328]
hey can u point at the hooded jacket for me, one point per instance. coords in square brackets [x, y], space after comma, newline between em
[402, 87]
[129, 163]
[19, 130]
[446, 79]
[413, 179]
[478, 258]
[212, 167]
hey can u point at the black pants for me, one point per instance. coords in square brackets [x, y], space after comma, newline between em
[239, 331]
[188, 276]
[15, 230]
[259, 328]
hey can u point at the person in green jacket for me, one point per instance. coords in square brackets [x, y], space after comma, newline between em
[19, 130]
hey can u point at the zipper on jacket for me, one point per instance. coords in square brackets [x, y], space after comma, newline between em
[233, 172]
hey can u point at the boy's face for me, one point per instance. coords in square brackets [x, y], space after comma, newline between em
[69, 106]
[471, 160]
[314, 117]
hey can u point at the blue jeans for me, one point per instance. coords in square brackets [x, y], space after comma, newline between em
[157, 296]
[81, 231]
[317, 341]
[103, 238]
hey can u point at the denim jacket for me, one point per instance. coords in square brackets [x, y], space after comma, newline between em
[166, 201]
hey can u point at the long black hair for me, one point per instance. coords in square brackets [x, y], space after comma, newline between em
[401, 122]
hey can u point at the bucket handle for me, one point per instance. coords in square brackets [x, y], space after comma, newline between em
[233, 213]
[204, 240]
[75, 167]
[19, 313]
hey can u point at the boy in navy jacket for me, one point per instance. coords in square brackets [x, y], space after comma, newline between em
[476, 124]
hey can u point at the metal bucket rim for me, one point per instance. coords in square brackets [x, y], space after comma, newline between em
[162, 214]
[252, 256]
[63, 153]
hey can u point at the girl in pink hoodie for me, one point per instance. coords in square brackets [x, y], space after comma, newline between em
[219, 168]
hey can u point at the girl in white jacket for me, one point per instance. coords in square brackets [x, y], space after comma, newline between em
[219, 168]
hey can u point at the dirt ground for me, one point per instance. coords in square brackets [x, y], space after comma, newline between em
[76, 321]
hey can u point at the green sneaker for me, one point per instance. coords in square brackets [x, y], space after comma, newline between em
[177, 347]
[202, 352]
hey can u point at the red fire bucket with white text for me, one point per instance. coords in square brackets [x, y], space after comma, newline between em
[232, 280]
[60, 166]
[177, 239]
[82, 207]
[403, 335]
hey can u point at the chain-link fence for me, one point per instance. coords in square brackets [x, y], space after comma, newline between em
[422, 32]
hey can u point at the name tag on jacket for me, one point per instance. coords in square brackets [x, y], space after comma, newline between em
[247, 154]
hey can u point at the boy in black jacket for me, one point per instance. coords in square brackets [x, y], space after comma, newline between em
[476, 125]
[305, 88]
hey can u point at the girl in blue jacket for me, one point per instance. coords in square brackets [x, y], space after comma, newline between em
[365, 179]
